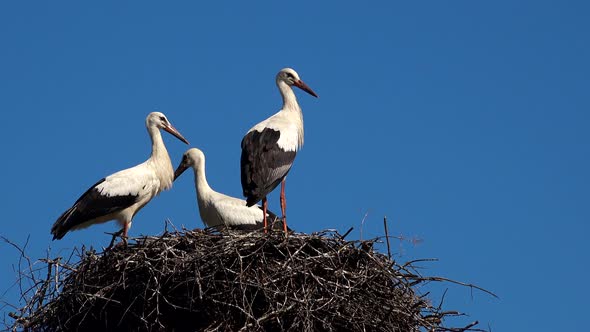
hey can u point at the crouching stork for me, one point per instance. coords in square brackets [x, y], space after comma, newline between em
[216, 209]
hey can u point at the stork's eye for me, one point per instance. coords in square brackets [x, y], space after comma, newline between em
[162, 119]
[290, 75]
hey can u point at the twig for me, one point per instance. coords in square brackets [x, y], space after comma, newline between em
[362, 224]
[387, 236]
[346, 234]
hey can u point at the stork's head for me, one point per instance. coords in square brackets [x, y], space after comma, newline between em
[159, 120]
[191, 158]
[290, 76]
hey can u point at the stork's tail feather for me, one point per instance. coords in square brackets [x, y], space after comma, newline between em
[61, 225]
[251, 201]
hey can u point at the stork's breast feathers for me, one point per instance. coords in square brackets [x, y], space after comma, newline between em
[288, 127]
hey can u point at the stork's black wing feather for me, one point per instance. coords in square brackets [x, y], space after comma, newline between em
[91, 205]
[263, 164]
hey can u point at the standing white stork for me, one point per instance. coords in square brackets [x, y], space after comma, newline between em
[121, 195]
[217, 209]
[269, 148]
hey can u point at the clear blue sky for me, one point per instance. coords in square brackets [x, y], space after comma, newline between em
[465, 122]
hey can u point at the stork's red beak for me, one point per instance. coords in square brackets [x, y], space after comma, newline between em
[175, 132]
[305, 88]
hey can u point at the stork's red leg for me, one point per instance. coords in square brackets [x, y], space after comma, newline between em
[264, 207]
[284, 204]
[125, 230]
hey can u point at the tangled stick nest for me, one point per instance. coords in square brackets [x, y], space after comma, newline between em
[211, 281]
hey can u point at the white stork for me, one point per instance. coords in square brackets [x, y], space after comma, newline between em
[269, 148]
[217, 209]
[121, 195]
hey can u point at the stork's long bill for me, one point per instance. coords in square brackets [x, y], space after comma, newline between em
[301, 85]
[169, 128]
[181, 168]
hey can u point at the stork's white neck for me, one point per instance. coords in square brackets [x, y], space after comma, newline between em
[203, 189]
[291, 111]
[159, 159]
[289, 98]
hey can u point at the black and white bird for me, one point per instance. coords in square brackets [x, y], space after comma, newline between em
[121, 195]
[269, 148]
[217, 209]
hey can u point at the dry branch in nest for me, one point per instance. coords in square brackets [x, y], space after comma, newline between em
[211, 281]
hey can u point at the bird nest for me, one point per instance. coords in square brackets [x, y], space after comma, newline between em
[211, 281]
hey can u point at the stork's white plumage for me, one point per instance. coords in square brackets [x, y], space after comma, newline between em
[217, 209]
[121, 195]
[269, 148]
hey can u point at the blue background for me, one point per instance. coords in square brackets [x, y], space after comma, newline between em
[465, 122]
